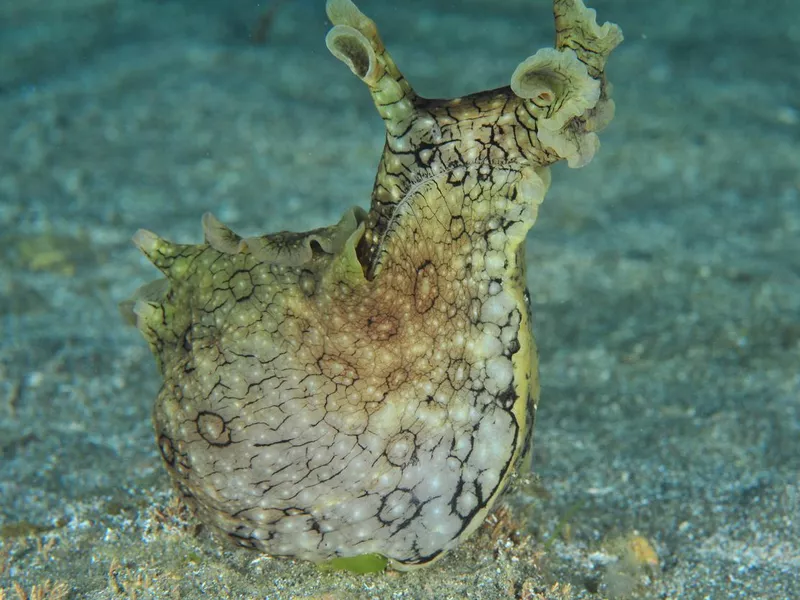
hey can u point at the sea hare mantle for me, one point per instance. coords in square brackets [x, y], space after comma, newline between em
[370, 387]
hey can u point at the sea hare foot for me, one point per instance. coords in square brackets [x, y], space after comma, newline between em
[370, 387]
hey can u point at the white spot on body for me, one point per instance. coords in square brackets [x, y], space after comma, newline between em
[466, 503]
[495, 263]
[500, 372]
[488, 346]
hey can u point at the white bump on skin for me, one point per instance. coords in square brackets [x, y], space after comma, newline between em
[488, 345]
[495, 309]
[495, 263]
[500, 372]
[466, 502]
[497, 239]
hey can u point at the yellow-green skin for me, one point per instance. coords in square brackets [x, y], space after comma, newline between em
[370, 387]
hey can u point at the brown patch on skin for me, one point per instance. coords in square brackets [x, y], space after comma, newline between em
[308, 283]
[458, 373]
[426, 287]
[400, 448]
[167, 451]
[337, 369]
[396, 378]
[212, 428]
[382, 327]
[456, 227]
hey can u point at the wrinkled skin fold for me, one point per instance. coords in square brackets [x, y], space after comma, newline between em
[370, 387]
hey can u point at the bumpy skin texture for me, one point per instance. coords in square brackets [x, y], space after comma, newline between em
[370, 387]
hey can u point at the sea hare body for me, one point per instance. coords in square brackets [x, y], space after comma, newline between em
[371, 386]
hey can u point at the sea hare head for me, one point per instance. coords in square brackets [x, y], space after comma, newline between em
[368, 388]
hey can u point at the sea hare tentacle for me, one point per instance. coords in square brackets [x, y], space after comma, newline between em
[369, 388]
[354, 40]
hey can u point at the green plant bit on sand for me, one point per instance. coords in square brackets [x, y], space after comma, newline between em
[368, 388]
[363, 563]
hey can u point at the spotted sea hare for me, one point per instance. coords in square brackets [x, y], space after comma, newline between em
[370, 387]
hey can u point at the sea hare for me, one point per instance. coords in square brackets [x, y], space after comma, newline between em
[370, 387]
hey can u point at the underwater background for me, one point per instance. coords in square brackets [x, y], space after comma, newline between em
[665, 283]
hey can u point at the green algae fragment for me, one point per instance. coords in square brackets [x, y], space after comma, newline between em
[364, 563]
[49, 252]
[22, 529]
